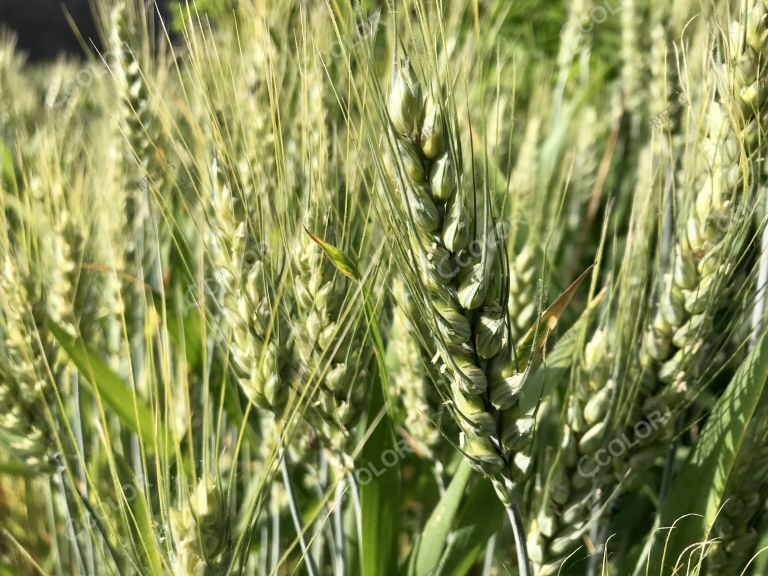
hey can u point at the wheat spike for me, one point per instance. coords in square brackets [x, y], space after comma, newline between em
[328, 346]
[469, 319]
[243, 289]
[574, 493]
[702, 265]
[23, 368]
[632, 60]
[137, 125]
[408, 374]
[575, 35]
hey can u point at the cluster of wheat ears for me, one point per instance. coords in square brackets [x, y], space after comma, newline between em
[379, 288]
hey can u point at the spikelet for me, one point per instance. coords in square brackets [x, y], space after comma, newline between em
[468, 317]
[522, 291]
[200, 529]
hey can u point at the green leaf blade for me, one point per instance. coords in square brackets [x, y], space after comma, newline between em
[115, 393]
[481, 517]
[434, 537]
[341, 261]
[379, 495]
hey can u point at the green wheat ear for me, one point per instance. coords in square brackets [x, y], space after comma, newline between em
[461, 286]
[410, 381]
[245, 295]
[328, 347]
[572, 497]
[710, 233]
[23, 369]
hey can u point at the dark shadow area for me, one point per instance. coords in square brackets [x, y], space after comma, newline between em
[43, 30]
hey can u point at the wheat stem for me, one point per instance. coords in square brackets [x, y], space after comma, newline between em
[309, 563]
[518, 530]
[338, 529]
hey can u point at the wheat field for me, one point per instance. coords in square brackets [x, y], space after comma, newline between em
[415, 287]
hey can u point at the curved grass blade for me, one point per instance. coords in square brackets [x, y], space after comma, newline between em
[434, 536]
[341, 261]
